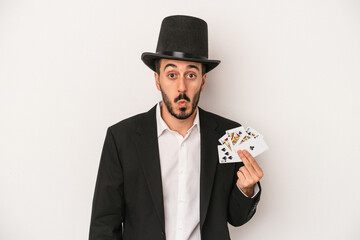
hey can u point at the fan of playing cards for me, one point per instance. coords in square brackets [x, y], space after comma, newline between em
[240, 139]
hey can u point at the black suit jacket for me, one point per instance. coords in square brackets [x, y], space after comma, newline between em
[128, 198]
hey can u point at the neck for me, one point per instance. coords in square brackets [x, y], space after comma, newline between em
[179, 125]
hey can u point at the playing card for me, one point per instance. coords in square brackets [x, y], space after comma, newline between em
[245, 138]
[227, 156]
[239, 139]
[224, 154]
[253, 132]
[236, 134]
[225, 140]
[254, 146]
[249, 134]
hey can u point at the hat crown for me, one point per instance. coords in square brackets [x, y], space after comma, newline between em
[184, 34]
[183, 38]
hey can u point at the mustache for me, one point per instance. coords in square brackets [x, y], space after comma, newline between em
[182, 96]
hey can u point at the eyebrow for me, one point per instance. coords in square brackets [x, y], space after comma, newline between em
[188, 67]
[193, 66]
[170, 65]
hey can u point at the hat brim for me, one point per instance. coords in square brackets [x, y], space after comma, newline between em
[149, 59]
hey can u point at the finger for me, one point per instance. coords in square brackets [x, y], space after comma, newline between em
[241, 176]
[254, 164]
[251, 178]
[246, 173]
[241, 155]
[248, 180]
[247, 164]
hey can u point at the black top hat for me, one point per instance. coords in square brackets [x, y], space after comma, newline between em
[182, 38]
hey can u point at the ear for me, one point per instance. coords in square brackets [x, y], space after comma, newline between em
[157, 80]
[203, 81]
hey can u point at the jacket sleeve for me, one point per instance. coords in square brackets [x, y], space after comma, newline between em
[241, 208]
[108, 203]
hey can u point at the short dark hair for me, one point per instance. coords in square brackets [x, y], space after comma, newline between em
[157, 67]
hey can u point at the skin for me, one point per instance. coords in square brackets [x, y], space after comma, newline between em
[178, 78]
[182, 78]
[249, 174]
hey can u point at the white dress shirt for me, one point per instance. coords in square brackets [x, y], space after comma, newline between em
[180, 174]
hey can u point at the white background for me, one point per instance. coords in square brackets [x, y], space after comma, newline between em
[71, 68]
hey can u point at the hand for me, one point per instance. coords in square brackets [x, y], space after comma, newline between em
[249, 174]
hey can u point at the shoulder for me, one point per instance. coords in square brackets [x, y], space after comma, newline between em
[131, 124]
[222, 122]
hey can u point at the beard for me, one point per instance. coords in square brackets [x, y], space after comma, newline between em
[182, 113]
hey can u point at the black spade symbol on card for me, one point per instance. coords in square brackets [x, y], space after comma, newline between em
[252, 147]
[230, 157]
[223, 149]
[227, 153]
[224, 158]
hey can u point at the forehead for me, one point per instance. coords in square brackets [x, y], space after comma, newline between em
[179, 63]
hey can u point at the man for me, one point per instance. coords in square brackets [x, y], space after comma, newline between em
[159, 175]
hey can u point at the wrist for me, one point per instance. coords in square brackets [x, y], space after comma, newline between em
[248, 191]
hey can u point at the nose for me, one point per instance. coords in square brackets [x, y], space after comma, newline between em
[182, 84]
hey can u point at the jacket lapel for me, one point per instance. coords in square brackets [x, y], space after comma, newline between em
[148, 150]
[209, 142]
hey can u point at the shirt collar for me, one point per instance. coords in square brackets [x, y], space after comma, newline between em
[162, 126]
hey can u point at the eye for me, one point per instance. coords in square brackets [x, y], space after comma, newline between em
[191, 76]
[171, 75]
